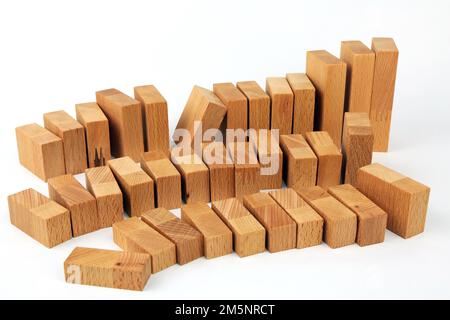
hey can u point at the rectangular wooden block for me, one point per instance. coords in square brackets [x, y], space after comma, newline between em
[236, 104]
[304, 100]
[258, 105]
[41, 218]
[40, 151]
[405, 200]
[108, 268]
[248, 234]
[246, 168]
[371, 218]
[218, 239]
[136, 236]
[137, 187]
[282, 104]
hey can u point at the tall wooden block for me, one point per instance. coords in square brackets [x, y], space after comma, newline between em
[258, 105]
[304, 100]
[282, 106]
[246, 168]
[236, 104]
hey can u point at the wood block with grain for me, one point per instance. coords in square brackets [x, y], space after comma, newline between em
[282, 104]
[248, 234]
[107, 268]
[137, 187]
[236, 104]
[74, 142]
[258, 105]
[188, 241]
[304, 100]
[281, 229]
[217, 238]
[404, 199]
[371, 218]
[125, 123]
[40, 151]
[41, 218]
[135, 235]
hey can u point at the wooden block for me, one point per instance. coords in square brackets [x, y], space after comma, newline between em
[304, 100]
[236, 104]
[327, 73]
[357, 144]
[329, 158]
[135, 235]
[96, 126]
[218, 239]
[281, 229]
[282, 104]
[74, 142]
[125, 123]
[40, 151]
[68, 192]
[137, 187]
[246, 168]
[371, 218]
[41, 218]
[248, 234]
[108, 268]
[258, 105]
[405, 200]
[188, 241]
[166, 177]
[101, 183]
[385, 71]
[156, 118]
[309, 222]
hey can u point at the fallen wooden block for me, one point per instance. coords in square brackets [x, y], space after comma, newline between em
[304, 100]
[282, 106]
[236, 104]
[371, 218]
[137, 187]
[107, 268]
[258, 105]
[188, 241]
[41, 218]
[405, 200]
[218, 239]
[40, 151]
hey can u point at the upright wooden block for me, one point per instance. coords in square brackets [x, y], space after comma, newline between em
[40, 151]
[329, 158]
[246, 168]
[248, 234]
[137, 187]
[282, 104]
[236, 104]
[371, 218]
[74, 142]
[96, 126]
[327, 73]
[405, 200]
[188, 241]
[135, 235]
[340, 221]
[385, 72]
[68, 192]
[218, 239]
[304, 100]
[108, 268]
[125, 123]
[281, 229]
[101, 183]
[258, 105]
[357, 144]
[156, 118]
[41, 218]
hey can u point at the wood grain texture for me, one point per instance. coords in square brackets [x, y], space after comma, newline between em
[304, 100]
[246, 168]
[236, 103]
[282, 104]
[258, 104]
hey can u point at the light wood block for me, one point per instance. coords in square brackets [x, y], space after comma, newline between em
[246, 168]
[236, 104]
[258, 105]
[282, 104]
[304, 100]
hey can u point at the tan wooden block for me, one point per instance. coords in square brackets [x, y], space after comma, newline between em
[340, 221]
[304, 100]
[281, 229]
[40, 151]
[282, 104]
[188, 241]
[41, 218]
[101, 183]
[68, 192]
[125, 123]
[309, 222]
[327, 73]
[218, 239]
[258, 105]
[135, 235]
[405, 200]
[329, 158]
[137, 187]
[371, 218]
[96, 126]
[246, 168]
[108, 268]
[248, 234]
[236, 104]
[74, 142]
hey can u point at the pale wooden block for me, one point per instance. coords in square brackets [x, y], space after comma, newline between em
[258, 105]
[304, 100]
[236, 104]
[282, 104]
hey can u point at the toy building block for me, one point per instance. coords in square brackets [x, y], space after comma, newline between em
[236, 104]
[258, 105]
[282, 101]
[304, 100]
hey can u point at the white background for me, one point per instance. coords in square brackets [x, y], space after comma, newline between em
[54, 54]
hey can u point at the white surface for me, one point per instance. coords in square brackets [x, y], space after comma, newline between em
[58, 53]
